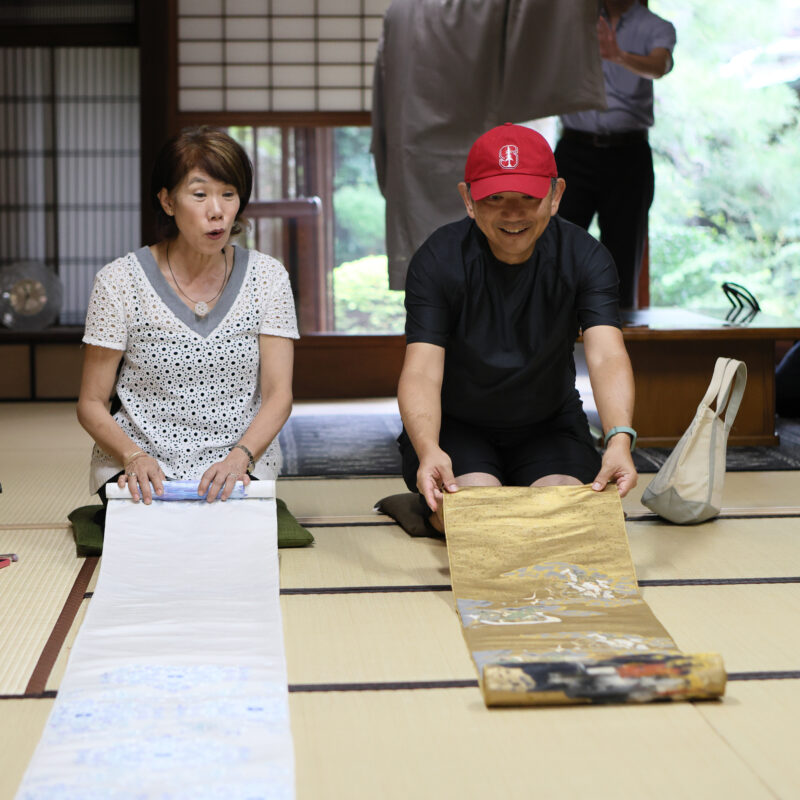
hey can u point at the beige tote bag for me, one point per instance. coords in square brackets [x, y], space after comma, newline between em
[688, 487]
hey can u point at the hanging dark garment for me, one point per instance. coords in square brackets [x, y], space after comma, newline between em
[448, 70]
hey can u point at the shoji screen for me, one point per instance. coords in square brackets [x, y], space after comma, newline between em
[277, 55]
[69, 161]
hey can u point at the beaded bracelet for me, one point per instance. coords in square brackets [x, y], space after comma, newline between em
[252, 465]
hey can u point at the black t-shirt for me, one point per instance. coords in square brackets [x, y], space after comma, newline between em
[508, 329]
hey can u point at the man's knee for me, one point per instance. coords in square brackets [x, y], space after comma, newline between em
[557, 480]
[477, 479]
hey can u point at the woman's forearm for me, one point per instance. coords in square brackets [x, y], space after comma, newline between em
[267, 423]
[96, 420]
[97, 385]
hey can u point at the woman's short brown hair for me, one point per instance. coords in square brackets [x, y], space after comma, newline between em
[206, 148]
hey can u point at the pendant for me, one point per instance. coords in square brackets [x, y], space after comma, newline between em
[201, 308]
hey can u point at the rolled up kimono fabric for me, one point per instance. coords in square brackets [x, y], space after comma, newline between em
[549, 602]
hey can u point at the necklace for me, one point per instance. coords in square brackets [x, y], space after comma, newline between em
[200, 306]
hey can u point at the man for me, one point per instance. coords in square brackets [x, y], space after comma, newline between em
[494, 304]
[604, 156]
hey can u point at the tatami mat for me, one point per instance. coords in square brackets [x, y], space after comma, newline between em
[315, 497]
[416, 636]
[383, 637]
[722, 548]
[398, 626]
[42, 486]
[332, 497]
[42, 427]
[754, 627]
[383, 555]
[380, 555]
[447, 745]
[758, 721]
[21, 725]
[32, 594]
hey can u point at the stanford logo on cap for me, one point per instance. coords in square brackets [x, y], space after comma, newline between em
[509, 156]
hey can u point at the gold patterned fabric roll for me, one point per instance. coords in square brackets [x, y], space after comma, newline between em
[549, 603]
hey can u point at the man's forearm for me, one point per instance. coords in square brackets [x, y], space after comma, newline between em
[420, 404]
[613, 389]
[652, 66]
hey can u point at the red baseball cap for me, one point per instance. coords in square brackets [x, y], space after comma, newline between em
[510, 158]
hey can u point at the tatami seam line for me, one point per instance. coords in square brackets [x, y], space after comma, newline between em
[381, 521]
[716, 581]
[446, 587]
[47, 658]
[469, 683]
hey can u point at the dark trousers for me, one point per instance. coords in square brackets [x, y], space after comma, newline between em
[615, 182]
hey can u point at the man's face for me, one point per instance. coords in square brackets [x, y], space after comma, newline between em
[512, 222]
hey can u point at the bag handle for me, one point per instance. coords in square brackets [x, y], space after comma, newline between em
[727, 388]
[734, 380]
[716, 383]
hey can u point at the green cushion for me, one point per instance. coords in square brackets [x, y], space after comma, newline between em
[290, 532]
[88, 530]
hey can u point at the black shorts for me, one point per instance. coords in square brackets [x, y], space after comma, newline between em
[516, 456]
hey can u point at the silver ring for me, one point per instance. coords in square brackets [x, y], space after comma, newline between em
[233, 475]
[131, 474]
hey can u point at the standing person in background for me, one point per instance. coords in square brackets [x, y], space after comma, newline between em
[604, 156]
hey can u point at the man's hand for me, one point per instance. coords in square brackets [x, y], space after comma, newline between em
[653, 65]
[617, 466]
[435, 475]
[607, 39]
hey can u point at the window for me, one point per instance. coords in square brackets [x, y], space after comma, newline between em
[69, 162]
[727, 157]
[316, 206]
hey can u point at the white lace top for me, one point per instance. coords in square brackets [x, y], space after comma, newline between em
[189, 386]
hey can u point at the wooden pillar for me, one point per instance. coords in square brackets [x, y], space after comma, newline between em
[157, 101]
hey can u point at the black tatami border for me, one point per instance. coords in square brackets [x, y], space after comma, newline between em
[395, 686]
[446, 587]
[647, 517]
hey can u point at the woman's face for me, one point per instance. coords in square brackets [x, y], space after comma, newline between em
[204, 210]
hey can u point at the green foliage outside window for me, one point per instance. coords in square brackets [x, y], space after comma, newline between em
[727, 162]
[363, 302]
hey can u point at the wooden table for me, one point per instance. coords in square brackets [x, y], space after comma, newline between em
[673, 354]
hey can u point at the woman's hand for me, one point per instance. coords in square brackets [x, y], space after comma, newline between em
[142, 475]
[220, 478]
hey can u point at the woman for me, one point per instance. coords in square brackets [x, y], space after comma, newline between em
[204, 332]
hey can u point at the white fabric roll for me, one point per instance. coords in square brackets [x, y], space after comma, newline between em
[176, 686]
